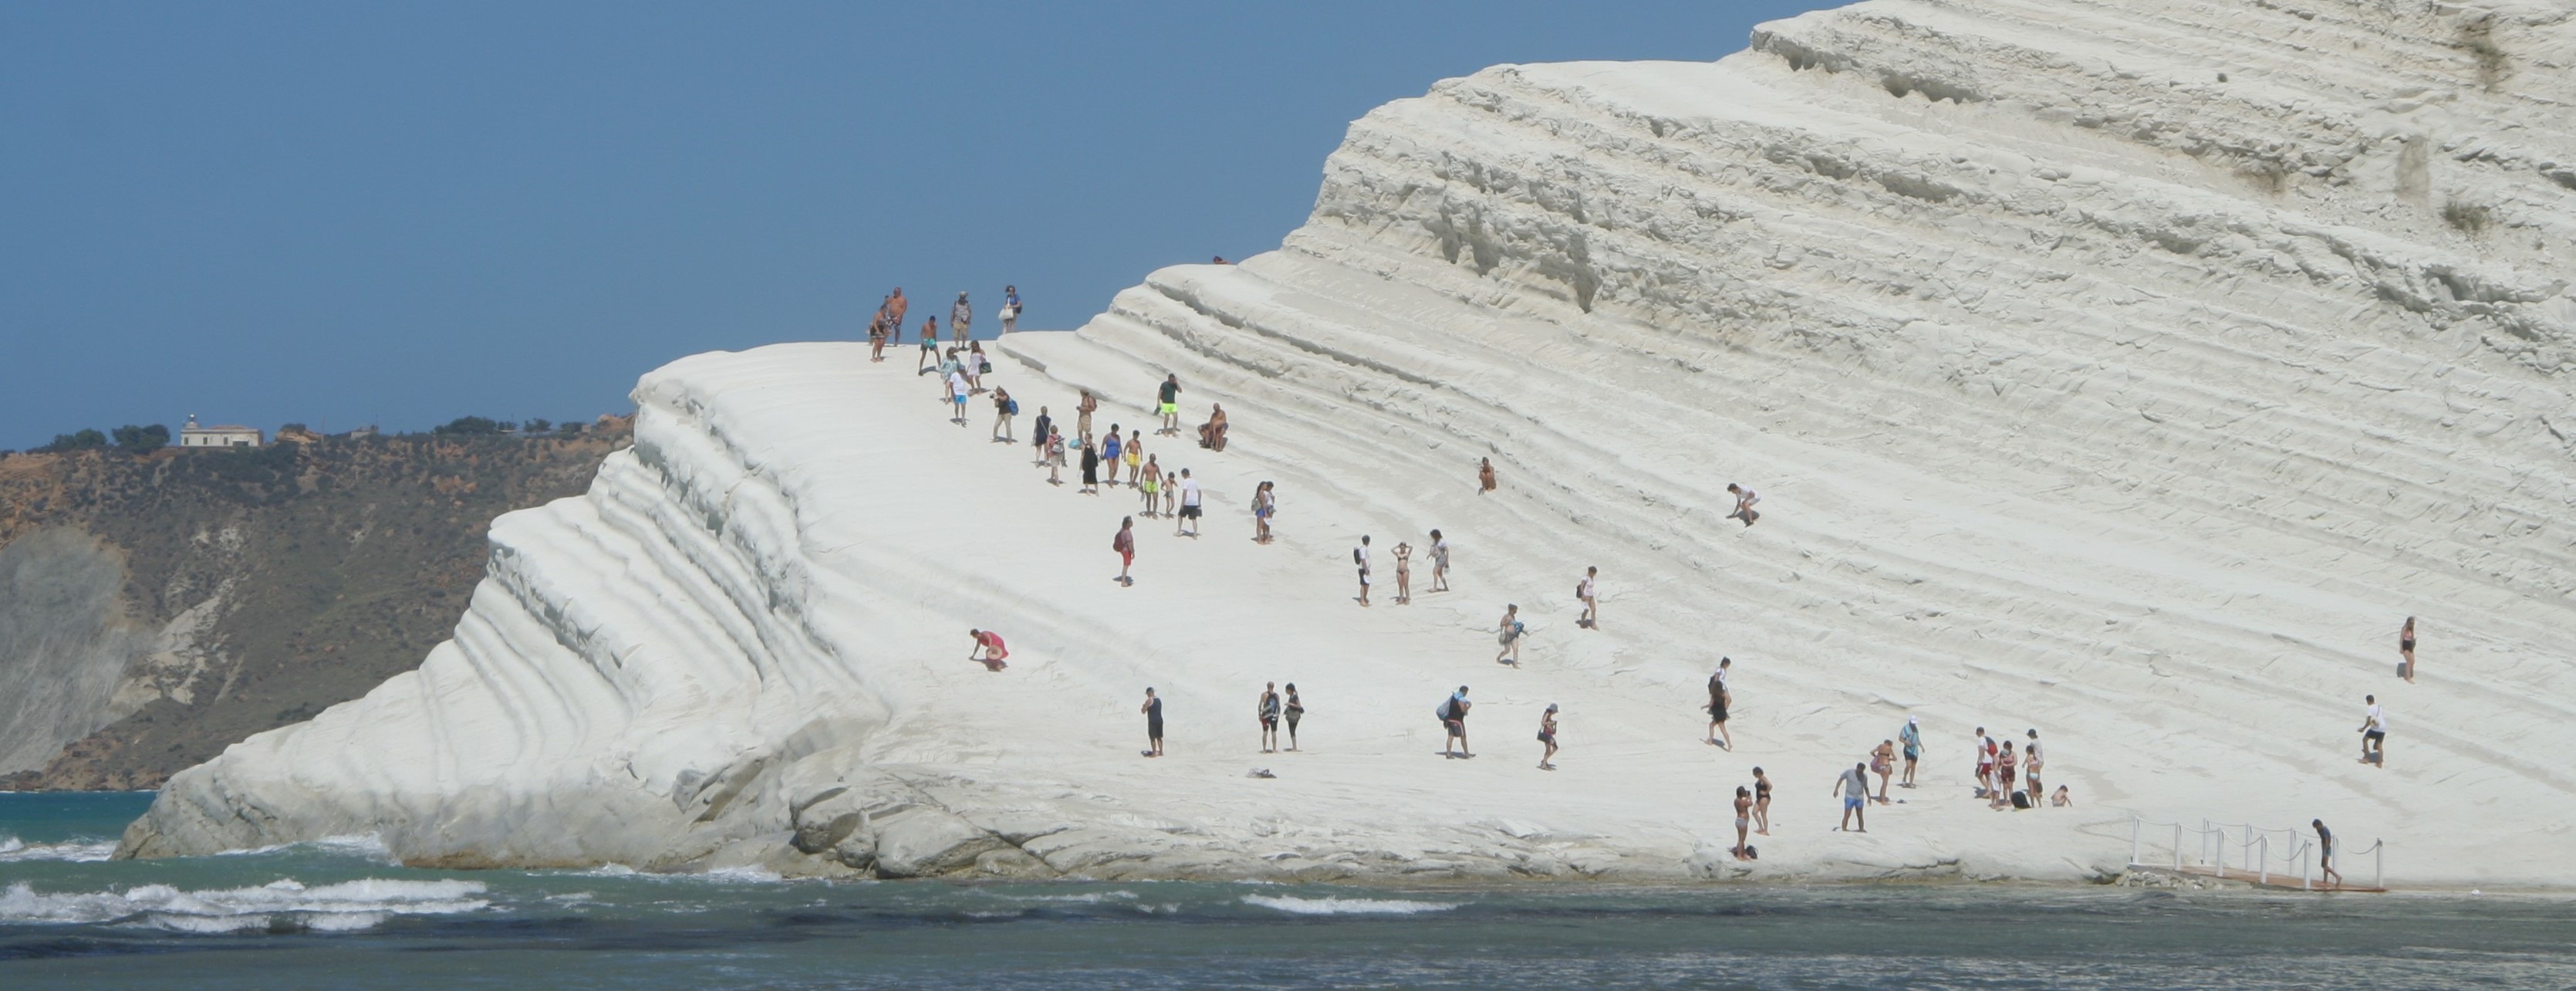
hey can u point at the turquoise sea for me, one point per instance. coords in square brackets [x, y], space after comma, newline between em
[341, 915]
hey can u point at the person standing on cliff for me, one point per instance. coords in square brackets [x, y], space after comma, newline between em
[1403, 572]
[1717, 701]
[1295, 711]
[958, 390]
[1439, 562]
[959, 314]
[1044, 425]
[929, 345]
[1055, 457]
[1743, 822]
[1153, 710]
[1010, 309]
[1004, 408]
[1484, 475]
[1853, 786]
[1169, 405]
[1267, 711]
[1510, 635]
[1360, 556]
[1090, 467]
[895, 307]
[1912, 737]
[1189, 515]
[2406, 648]
[1453, 718]
[1265, 504]
[1152, 483]
[1134, 455]
[877, 334]
[1110, 446]
[1082, 413]
[1125, 544]
[1588, 592]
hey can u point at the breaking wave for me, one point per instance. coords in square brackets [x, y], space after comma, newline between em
[285, 904]
[1345, 906]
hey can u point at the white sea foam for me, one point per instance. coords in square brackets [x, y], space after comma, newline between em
[331, 907]
[1346, 906]
[12, 850]
[369, 846]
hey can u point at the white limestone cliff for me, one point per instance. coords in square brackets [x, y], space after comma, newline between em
[2125, 369]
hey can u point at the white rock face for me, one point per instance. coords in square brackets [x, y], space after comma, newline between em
[2127, 370]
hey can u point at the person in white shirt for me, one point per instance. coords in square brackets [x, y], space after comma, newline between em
[2374, 733]
[1591, 602]
[1744, 500]
[1439, 562]
[1360, 557]
[957, 393]
[1189, 515]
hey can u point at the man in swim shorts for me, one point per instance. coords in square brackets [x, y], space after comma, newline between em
[1853, 786]
[1189, 515]
[1153, 710]
[1453, 718]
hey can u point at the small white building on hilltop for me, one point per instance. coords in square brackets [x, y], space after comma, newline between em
[225, 435]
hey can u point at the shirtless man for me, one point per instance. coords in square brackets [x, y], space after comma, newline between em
[1511, 630]
[1744, 500]
[1212, 433]
[1439, 562]
[1484, 475]
[958, 316]
[929, 345]
[1588, 591]
[1151, 482]
[1153, 710]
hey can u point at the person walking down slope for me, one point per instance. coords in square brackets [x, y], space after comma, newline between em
[1853, 786]
[1453, 719]
[1547, 735]
[1294, 711]
[1004, 408]
[1588, 592]
[989, 650]
[1189, 516]
[2406, 650]
[929, 345]
[877, 334]
[1265, 504]
[1744, 500]
[1439, 562]
[1510, 636]
[1125, 544]
[958, 390]
[2374, 733]
[1153, 710]
[1010, 309]
[959, 314]
[1267, 710]
[1718, 700]
[1360, 556]
[1168, 403]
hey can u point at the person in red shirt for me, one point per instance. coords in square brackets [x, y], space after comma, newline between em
[989, 650]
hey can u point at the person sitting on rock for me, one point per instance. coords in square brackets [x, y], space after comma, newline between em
[1212, 433]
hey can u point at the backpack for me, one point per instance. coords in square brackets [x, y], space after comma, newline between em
[1355, 558]
[1012, 407]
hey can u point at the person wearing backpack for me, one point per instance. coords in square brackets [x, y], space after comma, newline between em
[1360, 556]
[1004, 408]
[1125, 544]
[1453, 718]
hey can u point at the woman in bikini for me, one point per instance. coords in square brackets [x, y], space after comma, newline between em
[2406, 647]
[1882, 762]
[1403, 573]
[1743, 820]
[1547, 735]
[1152, 482]
[1296, 710]
[1761, 802]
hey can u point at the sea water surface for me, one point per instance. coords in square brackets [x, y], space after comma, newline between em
[340, 914]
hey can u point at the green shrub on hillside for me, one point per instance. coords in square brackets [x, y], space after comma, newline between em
[142, 440]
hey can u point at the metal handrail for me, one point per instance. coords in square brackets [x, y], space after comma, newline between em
[2255, 846]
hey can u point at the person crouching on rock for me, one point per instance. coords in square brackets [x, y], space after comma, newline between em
[988, 650]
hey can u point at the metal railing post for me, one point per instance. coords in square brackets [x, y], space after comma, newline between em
[2307, 870]
[2375, 850]
[2204, 843]
[2264, 875]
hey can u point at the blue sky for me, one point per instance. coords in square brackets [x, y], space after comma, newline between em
[337, 213]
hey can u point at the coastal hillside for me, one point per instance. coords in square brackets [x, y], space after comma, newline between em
[155, 609]
[2122, 372]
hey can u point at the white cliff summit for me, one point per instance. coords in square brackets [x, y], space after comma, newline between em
[2126, 369]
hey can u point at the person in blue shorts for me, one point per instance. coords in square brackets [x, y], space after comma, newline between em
[1853, 786]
